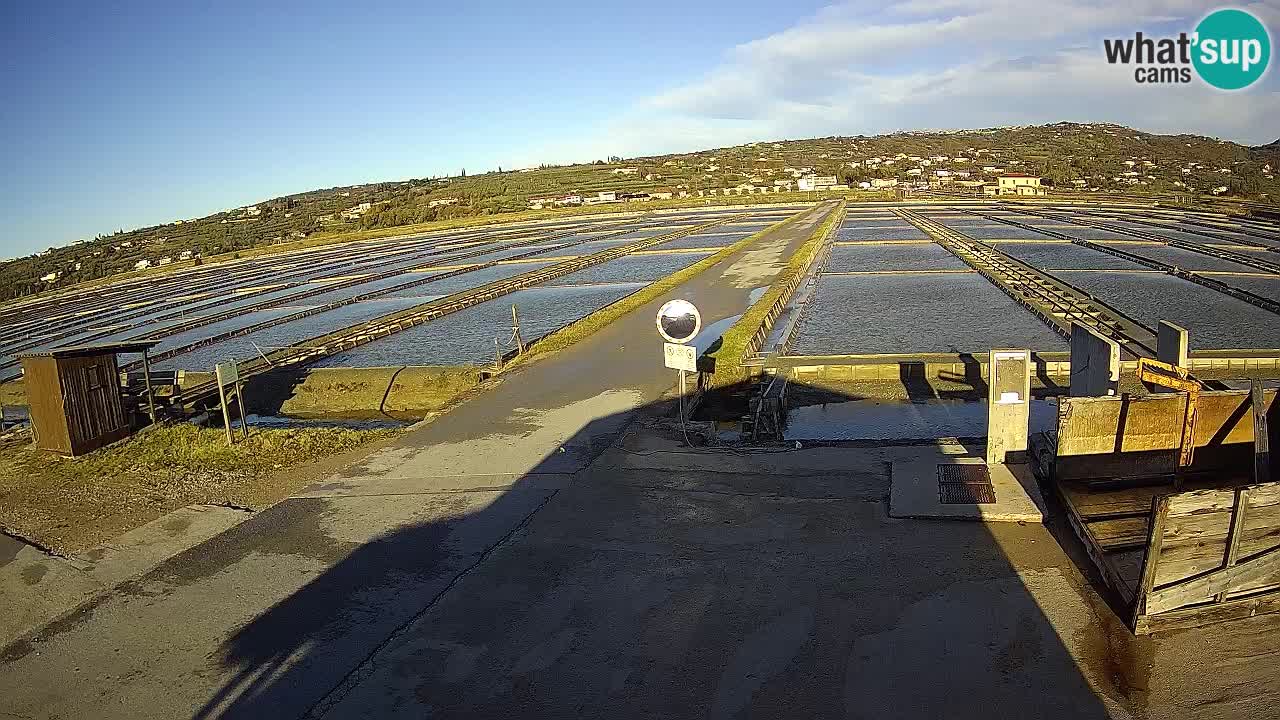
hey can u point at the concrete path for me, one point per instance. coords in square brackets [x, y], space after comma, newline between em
[715, 584]
[36, 588]
[269, 618]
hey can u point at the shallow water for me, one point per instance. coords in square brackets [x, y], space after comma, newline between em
[1187, 259]
[467, 337]
[872, 314]
[1003, 231]
[1213, 320]
[864, 258]
[1049, 256]
[276, 336]
[469, 280]
[890, 420]
[1267, 287]
[700, 241]
[632, 268]
[898, 232]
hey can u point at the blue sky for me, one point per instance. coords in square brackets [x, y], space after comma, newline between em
[119, 117]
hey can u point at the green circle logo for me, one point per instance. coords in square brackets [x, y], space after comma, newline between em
[1232, 49]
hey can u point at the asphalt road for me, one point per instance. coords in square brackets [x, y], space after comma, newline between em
[270, 617]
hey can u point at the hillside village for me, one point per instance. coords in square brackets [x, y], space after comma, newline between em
[1064, 157]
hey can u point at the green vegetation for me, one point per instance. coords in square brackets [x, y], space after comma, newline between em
[13, 393]
[1097, 156]
[733, 344]
[589, 325]
[70, 505]
[402, 392]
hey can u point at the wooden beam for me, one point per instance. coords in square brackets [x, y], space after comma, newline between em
[1197, 589]
[1261, 438]
[1151, 558]
[1233, 537]
[1208, 614]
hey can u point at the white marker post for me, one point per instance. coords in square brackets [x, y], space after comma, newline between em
[679, 322]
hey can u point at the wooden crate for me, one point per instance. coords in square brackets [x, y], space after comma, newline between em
[1206, 552]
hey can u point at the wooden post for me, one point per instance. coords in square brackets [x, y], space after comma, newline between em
[244, 424]
[1233, 537]
[1150, 557]
[226, 416]
[1261, 435]
[146, 377]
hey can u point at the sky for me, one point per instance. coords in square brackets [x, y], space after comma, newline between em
[123, 115]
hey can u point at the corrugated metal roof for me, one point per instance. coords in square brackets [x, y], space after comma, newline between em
[129, 346]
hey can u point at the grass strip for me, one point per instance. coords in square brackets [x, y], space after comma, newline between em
[70, 504]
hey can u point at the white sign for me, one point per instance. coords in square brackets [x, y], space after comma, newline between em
[228, 373]
[679, 321]
[680, 357]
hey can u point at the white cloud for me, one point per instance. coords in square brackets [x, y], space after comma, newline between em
[957, 63]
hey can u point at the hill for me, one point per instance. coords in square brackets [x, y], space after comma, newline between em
[1094, 156]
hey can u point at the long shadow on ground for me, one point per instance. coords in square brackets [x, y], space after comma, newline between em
[654, 583]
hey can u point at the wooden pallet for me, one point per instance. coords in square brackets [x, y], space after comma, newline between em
[1207, 553]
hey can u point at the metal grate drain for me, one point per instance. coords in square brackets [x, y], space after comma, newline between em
[965, 485]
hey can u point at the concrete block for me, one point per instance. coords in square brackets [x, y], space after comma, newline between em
[1008, 405]
[1171, 344]
[1095, 363]
[913, 492]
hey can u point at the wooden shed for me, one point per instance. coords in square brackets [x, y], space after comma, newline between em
[74, 396]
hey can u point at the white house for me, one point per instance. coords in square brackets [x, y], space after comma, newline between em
[142, 265]
[816, 182]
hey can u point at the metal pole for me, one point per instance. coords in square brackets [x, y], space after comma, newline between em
[226, 416]
[681, 372]
[146, 377]
[244, 424]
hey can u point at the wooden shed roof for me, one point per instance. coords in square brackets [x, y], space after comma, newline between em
[128, 346]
